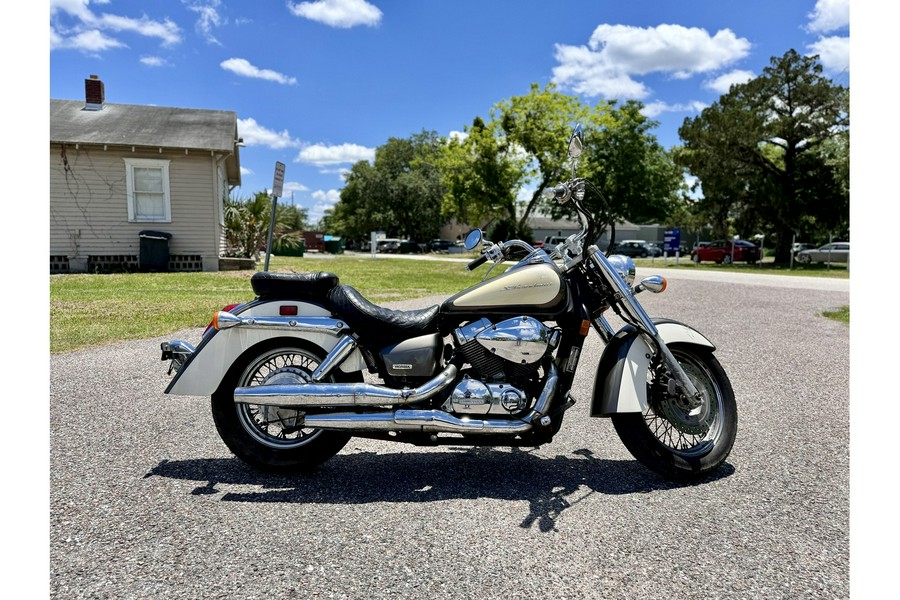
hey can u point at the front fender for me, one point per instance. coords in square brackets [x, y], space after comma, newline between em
[620, 385]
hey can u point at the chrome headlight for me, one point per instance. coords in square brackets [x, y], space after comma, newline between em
[624, 266]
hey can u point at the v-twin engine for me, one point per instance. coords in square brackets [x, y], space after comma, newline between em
[505, 358]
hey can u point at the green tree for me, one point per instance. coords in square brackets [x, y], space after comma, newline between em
[481, 172]
[768, 153]
[400, 193]
[537, 125]
[525, 146]
[638, 179]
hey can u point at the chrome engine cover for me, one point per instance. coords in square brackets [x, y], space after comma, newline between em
[523, 340]
[473, 397]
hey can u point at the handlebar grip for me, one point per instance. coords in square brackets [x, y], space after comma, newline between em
[476, 263]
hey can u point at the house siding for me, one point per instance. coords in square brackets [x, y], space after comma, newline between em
[89, 208]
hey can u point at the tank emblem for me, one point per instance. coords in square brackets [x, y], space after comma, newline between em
[522, 286]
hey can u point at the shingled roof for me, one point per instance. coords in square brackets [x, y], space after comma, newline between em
[147, 126]
[138, 125]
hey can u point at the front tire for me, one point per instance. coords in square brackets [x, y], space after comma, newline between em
[696, 258]
[266, 437]
[667, 438]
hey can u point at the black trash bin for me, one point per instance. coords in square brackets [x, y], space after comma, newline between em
[154, 250]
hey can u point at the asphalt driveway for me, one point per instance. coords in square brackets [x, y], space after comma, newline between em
[147, 502]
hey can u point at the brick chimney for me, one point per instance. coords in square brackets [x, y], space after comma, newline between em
[93, 93]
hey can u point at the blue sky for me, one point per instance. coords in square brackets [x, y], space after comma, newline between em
[319, 85]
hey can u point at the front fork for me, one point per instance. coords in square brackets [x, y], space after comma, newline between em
[688, 391]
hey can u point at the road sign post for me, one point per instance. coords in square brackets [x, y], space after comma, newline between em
[277, 187]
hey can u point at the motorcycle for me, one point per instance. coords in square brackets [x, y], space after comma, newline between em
[493, 365]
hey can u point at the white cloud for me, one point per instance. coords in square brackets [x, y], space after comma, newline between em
[166, 30]
[90, 41]
[153, 61]
[616, 53]
[829, 15]
[338, 13]
[242, 67]
[322, 155]
[834, 53]
[75, 26]
[654, 109]
[208, 18]
[293, 187]
[246, 171]
[723, 83]
[324, 200]
[255, 134]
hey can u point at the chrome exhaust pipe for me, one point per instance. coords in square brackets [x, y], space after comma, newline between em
[341, 394]
[436, 421]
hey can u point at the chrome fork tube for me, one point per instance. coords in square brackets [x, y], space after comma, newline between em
[648, 329]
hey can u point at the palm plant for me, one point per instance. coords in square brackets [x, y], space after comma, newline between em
[247, 225]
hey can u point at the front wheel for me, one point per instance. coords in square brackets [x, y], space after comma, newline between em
[727, 259]
[272, 438]
[674, 441]
[696, 258]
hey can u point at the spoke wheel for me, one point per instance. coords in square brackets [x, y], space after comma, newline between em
[674, 440]
[271, 425]
[267, 437]
[681, 430]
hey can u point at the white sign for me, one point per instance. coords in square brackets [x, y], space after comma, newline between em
[278, 184]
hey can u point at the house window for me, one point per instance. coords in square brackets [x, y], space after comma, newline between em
[148, 189]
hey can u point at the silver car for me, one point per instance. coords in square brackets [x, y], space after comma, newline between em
[835, 252]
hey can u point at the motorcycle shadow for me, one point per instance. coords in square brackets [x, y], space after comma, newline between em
[549, 485]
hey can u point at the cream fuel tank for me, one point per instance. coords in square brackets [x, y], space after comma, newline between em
[535, 289]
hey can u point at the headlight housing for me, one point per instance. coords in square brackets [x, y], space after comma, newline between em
[624, 266]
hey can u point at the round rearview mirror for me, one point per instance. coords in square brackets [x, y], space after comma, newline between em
[576, 142]
[473, 240]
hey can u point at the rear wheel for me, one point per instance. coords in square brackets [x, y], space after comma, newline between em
[671, 439]
[726, 259]
[268, 437]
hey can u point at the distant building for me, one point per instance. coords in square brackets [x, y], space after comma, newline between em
[117, 170]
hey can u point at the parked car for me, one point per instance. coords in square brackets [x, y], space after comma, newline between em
[439, 245]
[835, 252]
[633, 248]
[552, 241]
[655, 249]
[720, 251]
[391, 245]
[800, 247]
[409, 247]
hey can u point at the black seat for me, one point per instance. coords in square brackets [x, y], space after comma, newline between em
[379, 325]
[293, 286]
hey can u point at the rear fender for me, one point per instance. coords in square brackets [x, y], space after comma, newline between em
[620, 385]
[204, 370]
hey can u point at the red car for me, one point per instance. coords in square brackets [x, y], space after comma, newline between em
[720, 251]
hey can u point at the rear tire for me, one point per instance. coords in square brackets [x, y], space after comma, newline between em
[671, 442]
[266, 437]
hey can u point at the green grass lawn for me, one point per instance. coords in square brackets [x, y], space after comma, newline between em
[89, 310]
